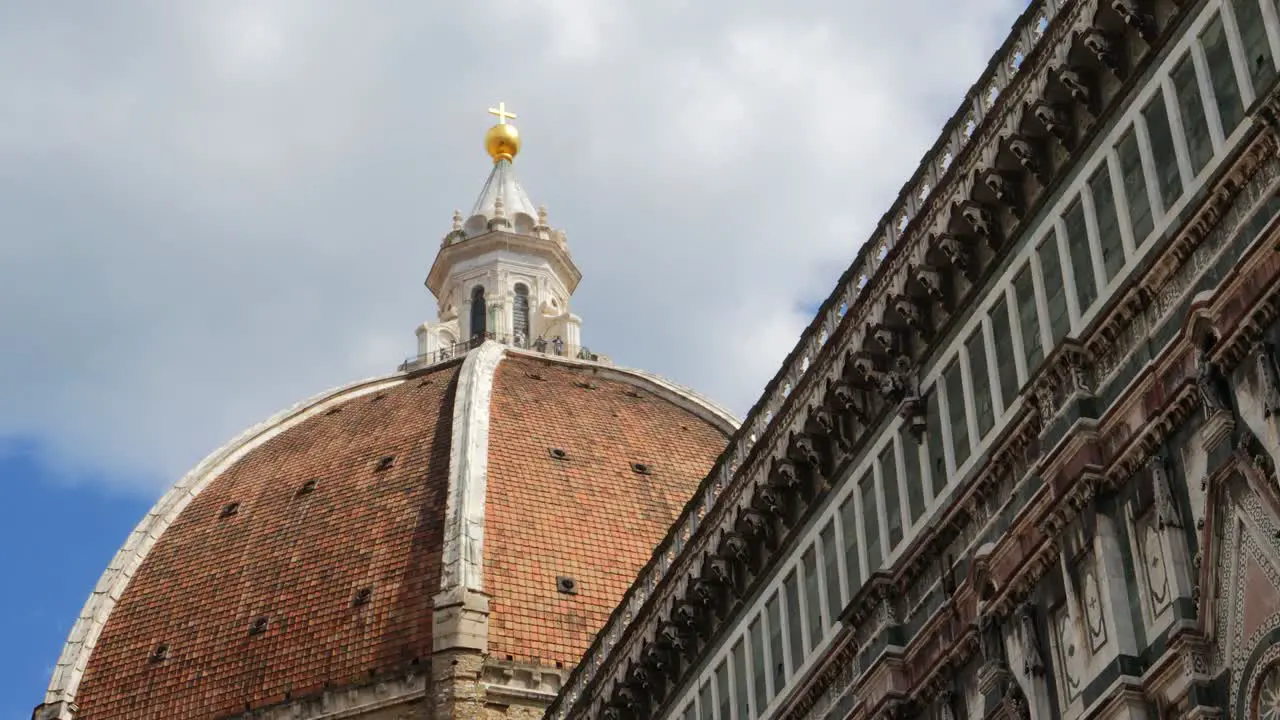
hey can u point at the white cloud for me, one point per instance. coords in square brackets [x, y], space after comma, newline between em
[210, 210]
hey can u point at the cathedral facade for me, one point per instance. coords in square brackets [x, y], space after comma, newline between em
[439, 542]
[1022, 464]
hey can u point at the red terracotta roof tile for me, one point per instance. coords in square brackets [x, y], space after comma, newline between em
[589, 516]
[298, 561]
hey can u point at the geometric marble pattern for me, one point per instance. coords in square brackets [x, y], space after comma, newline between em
[1252, 586]
[1268, 707]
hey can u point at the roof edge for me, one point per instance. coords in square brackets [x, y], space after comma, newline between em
[84, 634]
[681, 396]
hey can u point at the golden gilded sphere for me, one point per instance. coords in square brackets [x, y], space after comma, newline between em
[502, 142]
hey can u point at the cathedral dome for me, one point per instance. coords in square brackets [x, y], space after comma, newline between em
[344, 540]
[441, 542]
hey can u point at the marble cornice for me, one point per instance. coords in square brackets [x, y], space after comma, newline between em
[967, 210]
[1247, 302]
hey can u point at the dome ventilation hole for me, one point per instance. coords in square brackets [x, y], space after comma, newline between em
[566, 585]
[306, 488]
[385, 462]
[641, 469]
[363, 597]
[586, 385]
[160, 654]
[559, 454]
[424, 383]
[258, 626]
[631, 394]
[377, 397]
[334, 411]
[534, 376]
[229, 510]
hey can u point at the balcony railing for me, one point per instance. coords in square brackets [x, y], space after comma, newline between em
[554, 346]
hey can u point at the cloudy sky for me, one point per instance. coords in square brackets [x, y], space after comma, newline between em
[209, 210]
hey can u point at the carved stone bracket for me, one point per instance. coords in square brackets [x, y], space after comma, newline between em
[1136, 18]
[1028, 152]
[1102, 47]
[978, 217]
[1076, 85]
[959, 254]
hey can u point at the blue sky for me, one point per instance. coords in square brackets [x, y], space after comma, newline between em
[212, 209]
[60, 534]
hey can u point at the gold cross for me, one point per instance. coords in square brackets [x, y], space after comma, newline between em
[502, 113]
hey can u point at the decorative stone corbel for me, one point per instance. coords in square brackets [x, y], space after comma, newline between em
[1098, 43]
[1076, 85]
[734, 547]
[706, 594]
[659, 660]
[1027, 152]
[805, 451]
[870, 368]
[672, 636]
[1055, 120]
[931, 280]
[890, 338]
[846, 410]
[911, 311]
[822, 421]
[912, 413]
[979, 217]
[958, 252]
[638, 689]
[1135, 18]
[1003, 190]
[687, 616]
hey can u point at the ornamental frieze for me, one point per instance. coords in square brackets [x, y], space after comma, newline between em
[1152, 300]
[1169, 414]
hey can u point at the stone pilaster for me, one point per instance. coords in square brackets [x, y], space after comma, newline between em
[1109, 560]
[461, 620]
[456, 691]
[460, 639]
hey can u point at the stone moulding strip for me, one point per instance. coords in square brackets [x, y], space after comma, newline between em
[349, 702]
[462, 562]
[111, 586]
